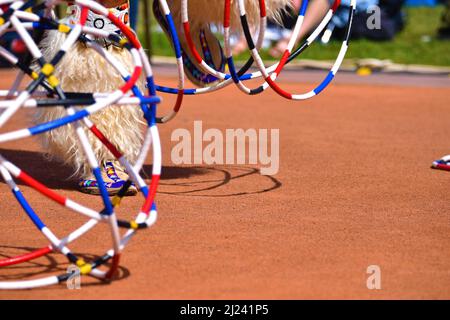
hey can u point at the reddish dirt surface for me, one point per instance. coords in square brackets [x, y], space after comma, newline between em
[354, 189]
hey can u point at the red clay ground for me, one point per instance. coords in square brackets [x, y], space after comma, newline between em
[354, 189]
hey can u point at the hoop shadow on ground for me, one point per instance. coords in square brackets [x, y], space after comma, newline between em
[53, 174]
[56, 175]
[45, 266]
[214, 181]
[201, 181]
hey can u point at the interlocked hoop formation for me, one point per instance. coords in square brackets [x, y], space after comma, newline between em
[44, 90]
[21, 16]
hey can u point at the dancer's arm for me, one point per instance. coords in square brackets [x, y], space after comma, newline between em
[314, 14]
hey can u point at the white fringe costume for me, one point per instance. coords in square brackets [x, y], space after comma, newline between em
[83, 70]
